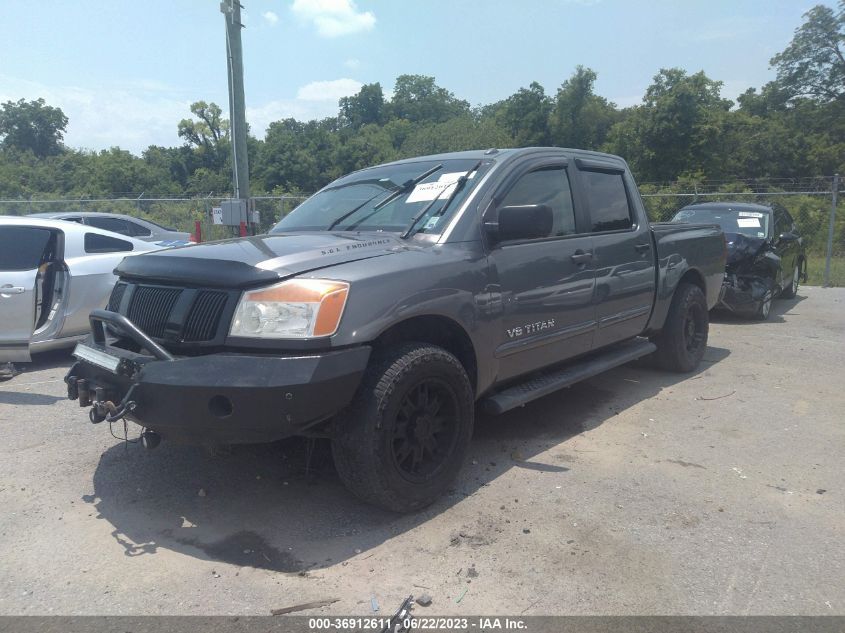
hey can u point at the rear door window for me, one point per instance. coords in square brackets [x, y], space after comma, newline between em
[96, 243]
[609, 208]
[22, 247]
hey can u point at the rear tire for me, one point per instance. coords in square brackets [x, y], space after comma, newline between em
[402, 441]
[683, 340]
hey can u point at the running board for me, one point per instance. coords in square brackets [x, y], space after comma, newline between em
[546, 382]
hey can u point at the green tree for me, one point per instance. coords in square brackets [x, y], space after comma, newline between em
[365, 108]
[208, 135]
[525, 116]
[813, 64]
[580, 117]
[418, 98]
[456, 134]
[32, 126]
[678, 129]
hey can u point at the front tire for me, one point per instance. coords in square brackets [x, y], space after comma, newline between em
[683, 340]
[792, 290]
[764, 309]
[402, 441]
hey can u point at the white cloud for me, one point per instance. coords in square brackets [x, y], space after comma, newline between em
[333, 18]
[270, 17]
[130, 116]
[133, 114]
[352, 63]
[328, 90]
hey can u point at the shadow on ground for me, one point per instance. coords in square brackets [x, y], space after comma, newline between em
[270, 507]
[19, 389]
[779, 308]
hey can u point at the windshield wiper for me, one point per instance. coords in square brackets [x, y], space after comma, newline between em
[356, 209]
[408, 184]
[396, 191]
[458, 185]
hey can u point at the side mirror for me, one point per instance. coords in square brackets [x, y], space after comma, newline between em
[520, 222]
[787, 237]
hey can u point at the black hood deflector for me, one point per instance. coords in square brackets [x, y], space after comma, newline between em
[257, 260]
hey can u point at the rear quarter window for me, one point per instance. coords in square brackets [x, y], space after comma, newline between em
[138, 230]
[116, 225]
[96, 243]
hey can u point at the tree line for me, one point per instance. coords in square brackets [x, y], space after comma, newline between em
[683, 131]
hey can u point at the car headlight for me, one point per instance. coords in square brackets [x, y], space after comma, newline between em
[297, 308]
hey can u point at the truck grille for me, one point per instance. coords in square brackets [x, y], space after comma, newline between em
[204, 317]
[150, 308]
[116, 296]
[172, 314]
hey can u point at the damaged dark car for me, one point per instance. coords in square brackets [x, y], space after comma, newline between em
[766, 256]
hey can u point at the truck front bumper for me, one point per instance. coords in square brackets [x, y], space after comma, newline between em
[224, 398]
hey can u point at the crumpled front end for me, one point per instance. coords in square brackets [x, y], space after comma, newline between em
[744, 294]
[751, 275]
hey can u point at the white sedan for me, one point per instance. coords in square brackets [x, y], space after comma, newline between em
[52, 274]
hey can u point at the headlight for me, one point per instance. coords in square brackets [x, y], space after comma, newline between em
[297, 308]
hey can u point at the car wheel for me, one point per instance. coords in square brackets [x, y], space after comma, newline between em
[683, 340]
[402, 441]
[792, 290]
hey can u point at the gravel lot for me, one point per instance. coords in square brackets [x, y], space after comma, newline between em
[636, 492]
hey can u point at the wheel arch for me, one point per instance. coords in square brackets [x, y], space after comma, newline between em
[437, 330]
[692, 276]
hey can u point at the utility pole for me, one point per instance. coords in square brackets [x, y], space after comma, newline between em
[231, 10]
[830, 230]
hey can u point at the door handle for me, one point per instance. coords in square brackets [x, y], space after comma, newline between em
[642, 248]
[580, 257]
[12, 290]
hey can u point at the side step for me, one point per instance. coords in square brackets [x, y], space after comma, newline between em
[546, 382]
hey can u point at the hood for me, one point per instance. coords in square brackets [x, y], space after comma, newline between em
[743, 249]
[258, 260]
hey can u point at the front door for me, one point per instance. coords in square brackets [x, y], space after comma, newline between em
[546, 284]
[22, 250]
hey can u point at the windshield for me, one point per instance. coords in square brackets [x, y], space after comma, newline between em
[357, 202]
[748, 223]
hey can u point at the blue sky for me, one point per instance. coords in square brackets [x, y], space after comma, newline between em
[126, 71]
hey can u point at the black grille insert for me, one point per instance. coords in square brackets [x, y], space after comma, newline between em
[204, 316]
[151, 307]
[116, 297]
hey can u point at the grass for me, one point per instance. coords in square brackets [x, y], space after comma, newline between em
[815, 270]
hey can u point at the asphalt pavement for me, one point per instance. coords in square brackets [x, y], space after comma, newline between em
[635, 492]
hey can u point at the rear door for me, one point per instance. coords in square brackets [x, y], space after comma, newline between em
[91, 259]
[22, 251]
[623, 254]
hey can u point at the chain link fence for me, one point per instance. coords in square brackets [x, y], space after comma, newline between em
[810, 201]
[179, 213]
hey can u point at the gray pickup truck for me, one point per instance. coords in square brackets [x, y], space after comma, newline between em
[388, 305]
